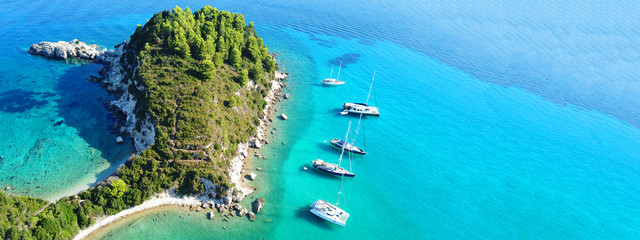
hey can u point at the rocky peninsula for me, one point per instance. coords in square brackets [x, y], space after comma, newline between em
[194, 92]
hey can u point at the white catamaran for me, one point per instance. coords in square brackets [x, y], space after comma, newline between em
[330, 212]
[333, 81]
[361, 108]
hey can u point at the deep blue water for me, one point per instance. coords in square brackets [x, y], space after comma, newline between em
[499, 120]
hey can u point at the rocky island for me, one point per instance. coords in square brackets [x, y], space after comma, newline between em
[193, 90]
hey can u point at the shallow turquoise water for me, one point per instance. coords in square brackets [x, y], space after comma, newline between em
[452, 156]
[57, 136]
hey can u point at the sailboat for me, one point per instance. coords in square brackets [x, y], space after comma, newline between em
[330, 212]
[361, 108]
[339, 143]
[332, 168]
[331, 81]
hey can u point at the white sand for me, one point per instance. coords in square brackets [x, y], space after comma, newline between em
[156, 201]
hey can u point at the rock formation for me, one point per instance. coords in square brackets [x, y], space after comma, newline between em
[71, 49]
[258, 204]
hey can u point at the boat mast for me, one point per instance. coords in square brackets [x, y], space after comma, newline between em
[366, 103]
[340, 192]
[346, 138]
[331, 75]
[371, 86]
[340, 67]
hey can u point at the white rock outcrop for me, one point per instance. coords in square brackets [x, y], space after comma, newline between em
[64, 50]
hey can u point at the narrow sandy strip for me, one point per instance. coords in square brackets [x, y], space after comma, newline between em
[157, 201]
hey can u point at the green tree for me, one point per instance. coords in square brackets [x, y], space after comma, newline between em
[218, 59]
[118, 188]
[235, 58]
[252, 51]
[243, 77]
[207, 69]
[178, 44]
[269, 64]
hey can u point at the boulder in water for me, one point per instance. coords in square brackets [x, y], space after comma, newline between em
[258, 204]
[243, 212]
[227, 200]
[237, 207]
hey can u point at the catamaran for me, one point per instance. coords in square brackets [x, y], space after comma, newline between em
[332, 168]
[329, 212]
[333, 81]
[361, 108]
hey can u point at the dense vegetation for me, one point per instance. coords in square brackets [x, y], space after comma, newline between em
[201, 78]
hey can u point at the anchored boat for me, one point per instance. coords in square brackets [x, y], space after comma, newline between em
[339, 143]
[332, 168]
[329, 212]
[361, 108]
[331, 81]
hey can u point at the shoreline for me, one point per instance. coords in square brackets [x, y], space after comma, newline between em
[101, 232]
[160, 200]
[83, 186]
[236, 167]
[238, 163]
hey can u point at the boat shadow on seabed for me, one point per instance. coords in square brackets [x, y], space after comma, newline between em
[309, 217]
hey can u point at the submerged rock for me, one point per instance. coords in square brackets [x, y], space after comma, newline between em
[93, 79]
[258, 204]
[58, 123]
[119, 140]
[252, 216]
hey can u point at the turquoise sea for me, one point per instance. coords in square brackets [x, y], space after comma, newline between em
[498, 120]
